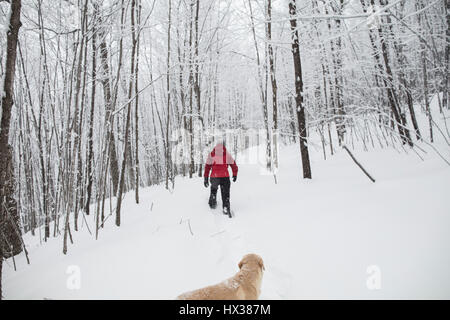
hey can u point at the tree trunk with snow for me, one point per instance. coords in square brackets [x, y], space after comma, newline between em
[299, 92]
[447, 56]
[263, 92]
[273, 80]
[167, 151]
[10, 243]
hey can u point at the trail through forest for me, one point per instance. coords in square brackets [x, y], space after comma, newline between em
[323, 238]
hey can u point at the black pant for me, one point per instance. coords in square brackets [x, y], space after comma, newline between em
[224, 184]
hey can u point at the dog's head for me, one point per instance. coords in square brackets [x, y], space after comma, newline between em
[252, 259]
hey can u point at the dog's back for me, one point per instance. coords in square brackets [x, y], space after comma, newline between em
[244, 285]
[226, 290]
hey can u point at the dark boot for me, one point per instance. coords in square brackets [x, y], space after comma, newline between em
[227, 211]
[213, 196]
[225, 191]
[212, 201]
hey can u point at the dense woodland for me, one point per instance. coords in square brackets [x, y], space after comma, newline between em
[99, 97]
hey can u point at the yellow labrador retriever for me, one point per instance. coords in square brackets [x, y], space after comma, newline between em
[244, 285]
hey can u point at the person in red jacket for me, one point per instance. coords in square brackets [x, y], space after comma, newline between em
[217, 163]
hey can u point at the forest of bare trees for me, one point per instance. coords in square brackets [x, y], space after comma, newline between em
[97, 95]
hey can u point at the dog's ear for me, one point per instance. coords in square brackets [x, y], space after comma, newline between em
[261, 264]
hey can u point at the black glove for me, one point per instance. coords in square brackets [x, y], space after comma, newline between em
[206, 183]
[234, 178]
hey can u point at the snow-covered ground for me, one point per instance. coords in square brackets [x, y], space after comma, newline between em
[324, 238]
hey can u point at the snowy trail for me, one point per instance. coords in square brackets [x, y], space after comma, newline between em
[317, 237]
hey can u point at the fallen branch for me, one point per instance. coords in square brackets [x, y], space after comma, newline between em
[190, 229]
[217, 233]
[189, 224]
[359, 165]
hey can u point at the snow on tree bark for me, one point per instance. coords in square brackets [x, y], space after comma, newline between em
[10, 240]
[299, 92]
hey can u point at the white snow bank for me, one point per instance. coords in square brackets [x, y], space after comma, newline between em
[318, 238]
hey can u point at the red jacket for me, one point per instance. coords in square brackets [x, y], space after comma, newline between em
[218, 161]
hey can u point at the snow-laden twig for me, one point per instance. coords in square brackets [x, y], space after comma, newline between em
[124, 105]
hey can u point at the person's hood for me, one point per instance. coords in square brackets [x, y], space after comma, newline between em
[219, 150]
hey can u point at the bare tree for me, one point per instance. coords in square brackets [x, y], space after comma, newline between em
[263, 92]
[127, 147]
[274, 83]
[10, 243]
[167, 151]
[447, 55]
[299, 91]
[90, 156]
[136, 37]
